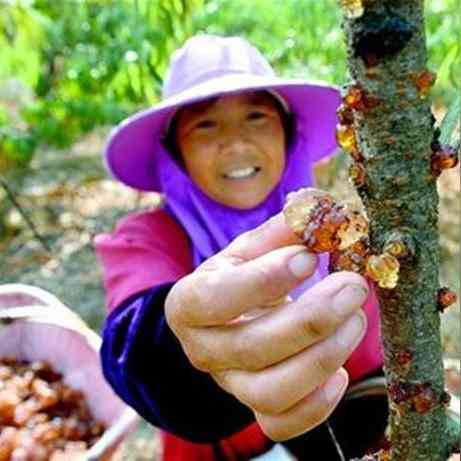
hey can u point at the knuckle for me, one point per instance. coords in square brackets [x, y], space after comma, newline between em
[242, 241]
[193, 290]
[255, 398]
[316, 324]
[324, 364]
[241, 351]
[351, 278]
[266, 405]
[199, 358]
[182, 293]
[273, 433]
[200, 362]
[221, 378]
[317, 415]
[262, 399]
[188, 294]
[283, 429]
[261, 275]
[172, 307]
[255, 360]
[249, 396]
[246, 353]
[273, 430]
[210, 294]
[210, 264]
[197, 350]
[264, 280]
[251, 234]
[274, 406]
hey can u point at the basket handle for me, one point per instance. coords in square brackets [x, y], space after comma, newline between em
[126, 422]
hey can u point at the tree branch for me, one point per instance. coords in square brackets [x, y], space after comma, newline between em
[26, 218]
[387, 127]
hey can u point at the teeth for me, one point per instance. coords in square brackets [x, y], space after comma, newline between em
[241, 173]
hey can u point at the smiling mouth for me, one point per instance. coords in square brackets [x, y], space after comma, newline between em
[242, 173]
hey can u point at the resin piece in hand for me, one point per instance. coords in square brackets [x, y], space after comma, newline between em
[323, 224]
[352, 259]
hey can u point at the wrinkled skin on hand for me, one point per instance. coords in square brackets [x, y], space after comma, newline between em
[282, 358]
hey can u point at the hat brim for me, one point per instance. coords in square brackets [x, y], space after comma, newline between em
[130, 149]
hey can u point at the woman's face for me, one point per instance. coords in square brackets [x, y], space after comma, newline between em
[233, 147]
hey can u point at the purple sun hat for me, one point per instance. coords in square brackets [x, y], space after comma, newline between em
[208, 66]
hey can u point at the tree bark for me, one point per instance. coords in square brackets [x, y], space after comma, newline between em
[394, 131]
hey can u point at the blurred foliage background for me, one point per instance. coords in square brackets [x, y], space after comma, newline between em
[71, 69]
[90, 63]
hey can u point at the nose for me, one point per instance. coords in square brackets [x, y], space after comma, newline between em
[233, 143]
[234, 146]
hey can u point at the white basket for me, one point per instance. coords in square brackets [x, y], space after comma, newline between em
[35, 325]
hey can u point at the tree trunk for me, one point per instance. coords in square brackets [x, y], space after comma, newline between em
[394, 131]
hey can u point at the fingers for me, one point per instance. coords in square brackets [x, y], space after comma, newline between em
[283, 332]
[207, 298]
[307, 413]
[272, 234]
[277, 388]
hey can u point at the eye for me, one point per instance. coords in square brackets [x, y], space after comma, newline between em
[205, 124]
[256, 115]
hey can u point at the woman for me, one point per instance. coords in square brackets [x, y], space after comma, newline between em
[224, 331]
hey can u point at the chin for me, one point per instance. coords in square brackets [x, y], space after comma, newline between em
[245, 202]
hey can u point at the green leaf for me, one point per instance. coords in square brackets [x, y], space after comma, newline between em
[445, 69]
[450, 122]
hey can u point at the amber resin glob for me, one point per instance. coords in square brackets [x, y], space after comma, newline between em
[327, 226]
[357, 174]
[355, 99]
[352, 259]
[384, 269]
[418, 397]
[323, 224]
[382, 455]
[424, 82]
[445, 298]
[345, 115]
[353, 8]
[425, 398]
[405, 359]
[358, 99]
[345, 135]
[397, 249]
[443, 158]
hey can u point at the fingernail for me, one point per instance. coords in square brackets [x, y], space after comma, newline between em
[302, 264]
[349, 299]
[335, 386]
[352, 331]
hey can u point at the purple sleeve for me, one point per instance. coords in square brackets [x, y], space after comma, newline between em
[147, 368]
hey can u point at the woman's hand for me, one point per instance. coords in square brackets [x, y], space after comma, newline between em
[286, 363]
